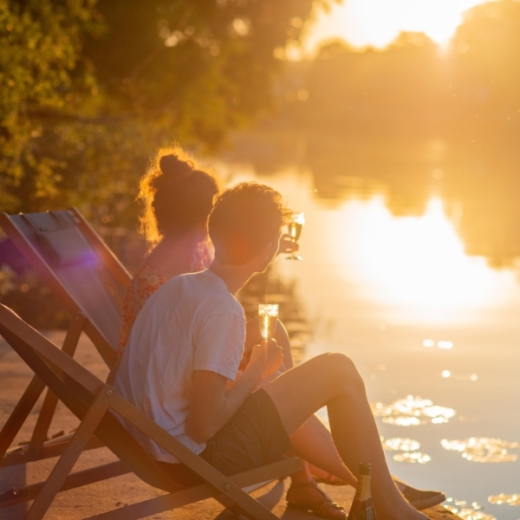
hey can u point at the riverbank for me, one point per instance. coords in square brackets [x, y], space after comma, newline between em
[109, 494]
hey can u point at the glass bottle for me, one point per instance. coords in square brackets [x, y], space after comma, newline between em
[362, 508]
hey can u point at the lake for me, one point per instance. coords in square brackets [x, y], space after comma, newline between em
[420, 286]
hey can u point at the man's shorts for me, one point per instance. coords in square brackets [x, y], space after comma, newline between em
[253, 437]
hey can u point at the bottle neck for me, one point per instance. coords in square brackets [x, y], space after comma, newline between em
[363, 488]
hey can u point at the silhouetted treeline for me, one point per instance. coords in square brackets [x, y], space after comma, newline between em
[90, 88]
[408, 120]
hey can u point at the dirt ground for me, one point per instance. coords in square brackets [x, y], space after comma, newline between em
[116, 492]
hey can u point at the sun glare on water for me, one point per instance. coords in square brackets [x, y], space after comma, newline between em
[415, 265]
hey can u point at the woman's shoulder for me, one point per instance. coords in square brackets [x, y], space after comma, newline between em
[145, 282]
[202, 256]
[148, 276]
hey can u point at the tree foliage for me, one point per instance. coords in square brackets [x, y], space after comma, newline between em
[40, 71]
[486, 53]
[89, 88]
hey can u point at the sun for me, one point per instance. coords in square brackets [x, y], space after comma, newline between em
[377, 22]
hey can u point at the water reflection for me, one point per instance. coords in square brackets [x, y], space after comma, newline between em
[467, 511]
[483, 449]
[476, 182]
[511, 500]
[401, 444]
[412, 411]
[409, 448]
[448, 374]
[415, 457]
[414, 263]
[381, 275]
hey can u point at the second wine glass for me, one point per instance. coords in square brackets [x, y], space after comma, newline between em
[295, 226]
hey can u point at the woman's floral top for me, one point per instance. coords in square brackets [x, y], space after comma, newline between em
[146, 281]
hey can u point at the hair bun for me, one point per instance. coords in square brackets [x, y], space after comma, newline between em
[172, 165]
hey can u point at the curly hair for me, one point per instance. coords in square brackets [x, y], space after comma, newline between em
[175, 194]
[245, 219]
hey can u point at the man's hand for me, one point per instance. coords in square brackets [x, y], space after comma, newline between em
[266, 357]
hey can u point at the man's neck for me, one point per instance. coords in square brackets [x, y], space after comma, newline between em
[235, 277]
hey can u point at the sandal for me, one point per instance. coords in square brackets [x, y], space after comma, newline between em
[418, 498]
[309, 497]
[324, 477]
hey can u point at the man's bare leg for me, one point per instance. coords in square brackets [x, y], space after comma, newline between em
[332, 380]
[313, 442]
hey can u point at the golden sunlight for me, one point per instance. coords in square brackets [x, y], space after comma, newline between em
[414, 264]
[377, 22]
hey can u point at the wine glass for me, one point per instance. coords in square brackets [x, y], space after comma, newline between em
[295, 229]
[267, 318]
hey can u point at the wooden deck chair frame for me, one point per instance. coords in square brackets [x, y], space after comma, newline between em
[95, 404]
[20, 229]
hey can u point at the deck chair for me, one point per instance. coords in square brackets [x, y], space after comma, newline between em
[88, 279]
[72, 259]
[96, 404]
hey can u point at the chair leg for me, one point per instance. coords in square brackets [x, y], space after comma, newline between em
[15, 496]
[186, 496]
[66, 462]
[157, 505]
[46, 414]
[19, 415]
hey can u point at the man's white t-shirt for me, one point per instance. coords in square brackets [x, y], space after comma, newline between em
[190, 323]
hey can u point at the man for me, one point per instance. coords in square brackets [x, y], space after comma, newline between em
[186, 346]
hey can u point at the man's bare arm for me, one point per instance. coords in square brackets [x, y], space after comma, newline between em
[212, 406]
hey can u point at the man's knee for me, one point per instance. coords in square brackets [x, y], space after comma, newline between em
[340, 370]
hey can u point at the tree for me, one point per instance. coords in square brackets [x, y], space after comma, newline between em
[485, 55]
[40, 70]
[89, 88]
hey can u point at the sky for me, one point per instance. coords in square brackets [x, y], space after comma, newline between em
[377, 22]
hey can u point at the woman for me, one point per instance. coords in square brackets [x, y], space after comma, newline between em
[177, 198]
